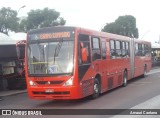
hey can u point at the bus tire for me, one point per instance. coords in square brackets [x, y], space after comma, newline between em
[145, 71]
[124, 79]
[96, 88]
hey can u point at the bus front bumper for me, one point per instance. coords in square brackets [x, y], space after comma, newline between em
[50, 93]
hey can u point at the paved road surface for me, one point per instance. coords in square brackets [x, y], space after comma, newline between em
[137, 91]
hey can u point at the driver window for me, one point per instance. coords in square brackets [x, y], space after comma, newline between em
[83, 49]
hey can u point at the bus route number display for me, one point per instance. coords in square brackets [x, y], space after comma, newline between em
[50, 35]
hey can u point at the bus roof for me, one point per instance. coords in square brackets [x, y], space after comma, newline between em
[85, 31]
[54, 28]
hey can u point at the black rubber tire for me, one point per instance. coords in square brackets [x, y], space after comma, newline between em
[96, 89]
[125, 76]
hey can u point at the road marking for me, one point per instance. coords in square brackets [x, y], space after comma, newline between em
[143, 82]
[137, 84]
[140, 83]
[153, 72]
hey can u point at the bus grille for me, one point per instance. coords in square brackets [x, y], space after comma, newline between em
[51, 93]
[49, 82]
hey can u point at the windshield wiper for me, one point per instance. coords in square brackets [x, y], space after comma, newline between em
[57, 49]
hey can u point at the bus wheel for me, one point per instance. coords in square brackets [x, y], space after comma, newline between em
[145, 71]
[124, 79]
[96, 88]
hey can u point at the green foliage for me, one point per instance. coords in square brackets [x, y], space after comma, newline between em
[124, 25]
[41, 18]
[8, 20]
[23, 26]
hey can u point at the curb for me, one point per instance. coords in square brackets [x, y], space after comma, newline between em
[14, 93]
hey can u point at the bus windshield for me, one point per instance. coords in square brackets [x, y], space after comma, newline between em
[45, 58]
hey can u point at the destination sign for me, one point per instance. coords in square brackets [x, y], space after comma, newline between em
[53, 35]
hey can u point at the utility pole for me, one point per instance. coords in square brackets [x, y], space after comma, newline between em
[145, 34]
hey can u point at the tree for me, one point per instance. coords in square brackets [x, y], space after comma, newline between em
[8, 20]
[41, 18]
[124, 25]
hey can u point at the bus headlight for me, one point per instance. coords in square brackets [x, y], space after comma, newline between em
[31, 83]
[69, 82]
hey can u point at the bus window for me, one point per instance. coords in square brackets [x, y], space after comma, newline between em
[96, 53]
[136, 49]
[103, 50]
[147, 50]
[123, 49]
[140, 49]
[84, 52]
[143, 51]
[127, 49]
[84, 49]
[112, 49]
[118, 49]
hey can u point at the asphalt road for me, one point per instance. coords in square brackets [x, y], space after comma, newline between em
[137, 91]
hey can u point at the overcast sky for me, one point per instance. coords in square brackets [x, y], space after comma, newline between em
[94, 14]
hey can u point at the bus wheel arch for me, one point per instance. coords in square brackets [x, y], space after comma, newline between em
[96, 86]
[125, 78]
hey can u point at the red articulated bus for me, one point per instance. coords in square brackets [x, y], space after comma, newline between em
[72, 62]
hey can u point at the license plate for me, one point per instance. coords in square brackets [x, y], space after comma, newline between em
[49, 90]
